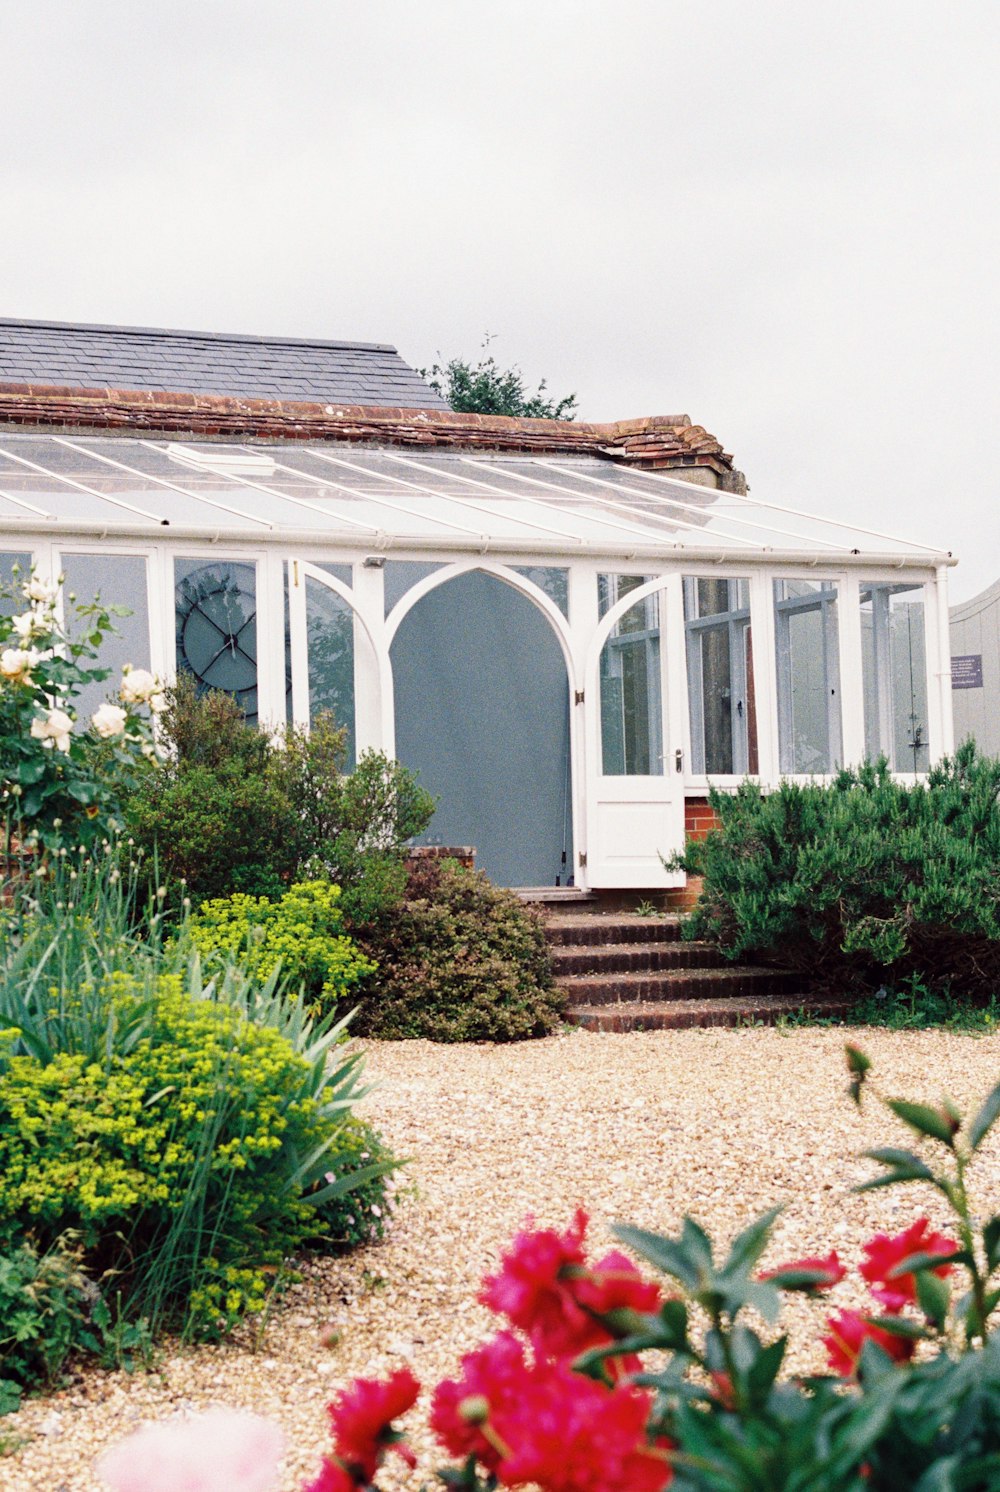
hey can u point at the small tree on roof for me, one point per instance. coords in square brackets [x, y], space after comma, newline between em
[486, 388]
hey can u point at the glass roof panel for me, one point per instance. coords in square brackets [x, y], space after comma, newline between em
[415, 495]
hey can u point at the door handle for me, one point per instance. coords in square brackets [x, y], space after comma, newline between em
[678, 760]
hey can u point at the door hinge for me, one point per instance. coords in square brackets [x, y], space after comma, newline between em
[579, 696]
[581, 858]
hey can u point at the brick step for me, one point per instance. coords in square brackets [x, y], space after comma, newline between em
[575, 929]
[736, 982]
[676, 1015]
[611, 958]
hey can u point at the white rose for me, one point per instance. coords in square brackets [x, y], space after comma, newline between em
[54, 730]
[28, 625]
[109, 720]
[44, 592]
[16, 664]
[139, 686]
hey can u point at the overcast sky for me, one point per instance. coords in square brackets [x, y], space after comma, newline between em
[778, 218]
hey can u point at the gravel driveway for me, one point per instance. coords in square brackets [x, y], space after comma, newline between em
[640, 1127]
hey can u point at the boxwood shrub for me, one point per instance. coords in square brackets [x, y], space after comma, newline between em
[458, 960]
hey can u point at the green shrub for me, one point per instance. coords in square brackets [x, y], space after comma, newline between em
[459, 960]
[81, 948]
[203, 1150]
[215, 828]
[359, 1216]
[234, 811]
[863, 883]
[355, 827]
[302, 933]
[42, 1314]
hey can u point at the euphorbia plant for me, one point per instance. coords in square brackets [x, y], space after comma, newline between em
[61, 778]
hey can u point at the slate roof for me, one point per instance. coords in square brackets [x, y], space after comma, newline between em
[150, 359]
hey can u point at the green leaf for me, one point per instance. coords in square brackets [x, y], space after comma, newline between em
[674, 1315]
[991, 1241]
[917, 1263]
[985, 1119]
[698, 1245]
[858, 1062]
[889, 1155]
[748, 1246]
[767, 1366]
[926, 1121]
[798, 1279]
[900, 1326]
[934, 1298]
[665, 1254]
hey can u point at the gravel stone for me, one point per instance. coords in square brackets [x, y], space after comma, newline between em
[639, 1127]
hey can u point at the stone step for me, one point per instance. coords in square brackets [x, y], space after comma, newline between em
[577, 929]
[738, 982]
[557, 898]
[619, 958]
[675, 1015]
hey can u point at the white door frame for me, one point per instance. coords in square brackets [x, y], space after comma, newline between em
[646, 811]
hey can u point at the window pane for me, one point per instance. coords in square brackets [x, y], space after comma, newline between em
[720, 676]
[631, 696]
[10, 605]
[611, 588]
[215, 608]
[551, 579]
[894, 672]
[119, 580]
[330, 633]
[805, 621]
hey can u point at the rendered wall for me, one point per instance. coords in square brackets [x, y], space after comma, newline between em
[975, 631]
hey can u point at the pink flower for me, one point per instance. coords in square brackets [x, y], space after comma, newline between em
[219, 1451]
[848, 1333]
[885, 1254]
[830, 1268]
[534, 1290]
[614, 1284]
[332, 1478]
[495, 1375]
[570, 1434]
[542, 1423]
[545, 1287]
[361, 1422]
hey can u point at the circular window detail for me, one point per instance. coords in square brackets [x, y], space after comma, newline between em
[216, 617]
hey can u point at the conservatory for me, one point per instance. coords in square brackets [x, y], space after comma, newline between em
[567, 649]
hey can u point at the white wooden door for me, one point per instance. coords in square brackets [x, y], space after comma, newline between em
[635, 727]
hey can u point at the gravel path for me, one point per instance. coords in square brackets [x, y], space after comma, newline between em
[639, 1127]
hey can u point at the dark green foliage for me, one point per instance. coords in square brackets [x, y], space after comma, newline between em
[485, 388]
[219, 829]
[861, 884]
[42, 1314]
[459, 960]
[361, 1215]
[352, 828]
[233, 811]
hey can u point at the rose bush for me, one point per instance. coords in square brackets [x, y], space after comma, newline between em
[565, 1397]
[63, 779]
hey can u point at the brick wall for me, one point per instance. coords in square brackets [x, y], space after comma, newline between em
[698, 818]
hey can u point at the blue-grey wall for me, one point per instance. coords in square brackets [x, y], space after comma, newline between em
[482, 713]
